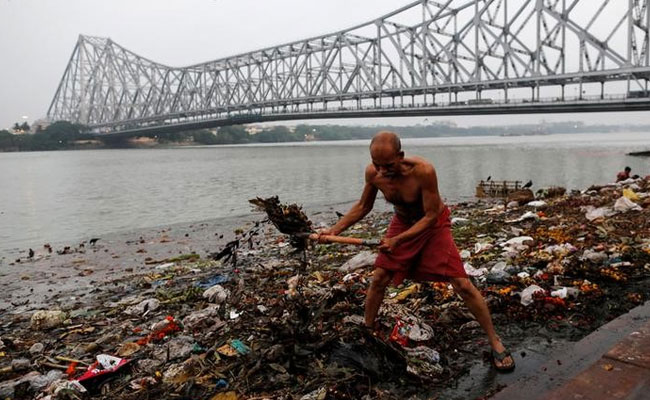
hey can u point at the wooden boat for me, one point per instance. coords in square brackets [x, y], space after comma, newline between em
[497, 188]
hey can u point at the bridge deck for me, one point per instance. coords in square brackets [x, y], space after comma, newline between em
[198, 122]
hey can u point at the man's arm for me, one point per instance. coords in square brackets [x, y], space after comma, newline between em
[431, 203]
[360, 209]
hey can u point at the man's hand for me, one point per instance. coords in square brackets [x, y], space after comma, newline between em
[326, 232]
[388, 245]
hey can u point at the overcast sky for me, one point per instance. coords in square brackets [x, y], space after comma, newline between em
[38, 36]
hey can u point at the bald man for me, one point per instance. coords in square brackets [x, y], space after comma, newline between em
[418, 244]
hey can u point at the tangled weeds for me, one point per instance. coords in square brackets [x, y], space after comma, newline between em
[289, 219]
[269, 327]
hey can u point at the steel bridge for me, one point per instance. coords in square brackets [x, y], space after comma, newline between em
[444, 57]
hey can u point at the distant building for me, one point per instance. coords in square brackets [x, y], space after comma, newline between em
[253, 129]
[143, 141]
[40, 124]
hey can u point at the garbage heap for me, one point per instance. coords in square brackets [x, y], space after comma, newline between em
[269, 326]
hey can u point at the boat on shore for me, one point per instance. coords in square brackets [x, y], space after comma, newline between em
[497, 188]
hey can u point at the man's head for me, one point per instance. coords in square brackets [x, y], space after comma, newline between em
[386, 153]
[628, 169]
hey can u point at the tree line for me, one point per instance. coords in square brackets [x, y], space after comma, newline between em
[57, 136]
[65, 135]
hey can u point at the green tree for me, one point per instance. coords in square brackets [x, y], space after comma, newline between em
[24, 127]
[64, 130]
[278, 134]
[6, 140]
[172, 137]
[204, 137]
[234, 134]
[56, 136]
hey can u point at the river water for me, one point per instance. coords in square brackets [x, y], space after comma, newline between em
[72, 195]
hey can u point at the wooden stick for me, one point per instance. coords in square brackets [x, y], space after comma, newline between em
[61, 358]
[52, 365]
[344, 240]
[62, 367]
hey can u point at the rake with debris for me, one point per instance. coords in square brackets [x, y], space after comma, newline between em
[292, 221]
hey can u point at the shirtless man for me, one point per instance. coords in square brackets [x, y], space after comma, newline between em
[623, 175]
[418, 243]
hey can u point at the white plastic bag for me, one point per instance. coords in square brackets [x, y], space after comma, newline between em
[216, 294]
[537, 204]
[527, 215]
[471, 271]
[601, 212]
[623, 204]
[518, 241]
[363, 259]
[527, 294]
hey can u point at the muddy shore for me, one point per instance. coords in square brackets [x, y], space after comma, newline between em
[272, 326]
[119, 255]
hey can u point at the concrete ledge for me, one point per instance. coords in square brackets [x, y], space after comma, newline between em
[613, 362]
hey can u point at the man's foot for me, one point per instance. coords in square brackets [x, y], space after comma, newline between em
[502, 359]
[374, 331]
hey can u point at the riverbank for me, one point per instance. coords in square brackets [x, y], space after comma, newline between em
[49, 274]
[271, 326]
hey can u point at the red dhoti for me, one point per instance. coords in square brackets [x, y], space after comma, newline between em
[430, 256]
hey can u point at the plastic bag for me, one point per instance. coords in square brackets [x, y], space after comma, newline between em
[630, 195]
[537, 204]
[363, 259]
[601, 212]
[400, 333]
[216, 294]
[471, 271]
[624, 204]
[105, 365]
[527, 294]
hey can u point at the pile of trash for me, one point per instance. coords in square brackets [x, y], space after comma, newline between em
[272, 326]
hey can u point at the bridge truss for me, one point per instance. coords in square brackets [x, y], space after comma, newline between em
[427, 58]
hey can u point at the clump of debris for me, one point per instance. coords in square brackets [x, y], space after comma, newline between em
[289, 219]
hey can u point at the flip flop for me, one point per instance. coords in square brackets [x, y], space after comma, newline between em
[496, 356]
